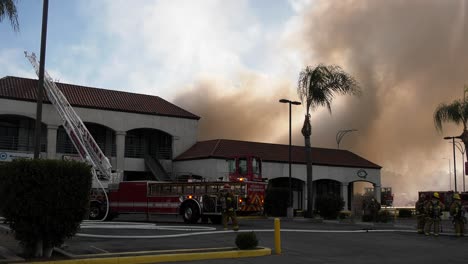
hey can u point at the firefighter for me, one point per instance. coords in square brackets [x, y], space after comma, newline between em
[421, 212]
[228, 205]
[374, 207]
[433, 210]
[458, 215]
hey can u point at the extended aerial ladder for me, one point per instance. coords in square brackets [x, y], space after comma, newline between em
[87, 148]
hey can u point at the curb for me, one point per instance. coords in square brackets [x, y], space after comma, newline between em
[168, 257]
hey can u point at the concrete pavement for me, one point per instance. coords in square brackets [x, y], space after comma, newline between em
[170, 244]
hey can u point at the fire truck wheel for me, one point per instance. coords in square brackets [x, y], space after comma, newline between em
[190, 213]
[95, 212]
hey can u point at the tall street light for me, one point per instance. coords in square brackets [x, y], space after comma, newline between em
[341, 134]
[290, 212]
[462, 150]
[454, 161]
[450, 173]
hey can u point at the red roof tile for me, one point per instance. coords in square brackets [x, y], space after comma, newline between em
[222, 148]
[88, 97]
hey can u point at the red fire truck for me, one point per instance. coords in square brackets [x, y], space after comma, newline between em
[191, 199]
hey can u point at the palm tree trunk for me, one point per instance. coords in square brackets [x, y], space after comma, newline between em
[307, 132]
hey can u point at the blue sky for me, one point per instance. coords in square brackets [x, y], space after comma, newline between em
[152, 47]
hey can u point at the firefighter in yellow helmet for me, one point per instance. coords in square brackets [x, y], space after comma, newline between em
[228, 205]
[420, 206]
[458, 215]
[434, 210]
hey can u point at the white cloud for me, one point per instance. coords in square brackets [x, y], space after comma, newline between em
[162, 45]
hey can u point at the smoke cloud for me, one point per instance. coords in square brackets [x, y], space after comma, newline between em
[408, 56]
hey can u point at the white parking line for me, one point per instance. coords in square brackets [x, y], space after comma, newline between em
[99, 249]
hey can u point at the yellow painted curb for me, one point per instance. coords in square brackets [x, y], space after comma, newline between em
[167, 257]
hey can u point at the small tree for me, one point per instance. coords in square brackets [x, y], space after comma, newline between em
[329, 205]
[44, 201]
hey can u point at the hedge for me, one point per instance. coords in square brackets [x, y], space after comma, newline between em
[44, 201]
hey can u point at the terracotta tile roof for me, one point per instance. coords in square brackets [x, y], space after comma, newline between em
[222, 148]
[24, 89]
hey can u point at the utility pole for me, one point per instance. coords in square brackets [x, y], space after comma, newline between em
[40, 88]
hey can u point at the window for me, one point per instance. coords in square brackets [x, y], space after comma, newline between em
[242, 166]
[256, 167]
[232, 166]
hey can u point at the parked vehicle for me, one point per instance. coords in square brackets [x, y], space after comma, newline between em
[193, 200]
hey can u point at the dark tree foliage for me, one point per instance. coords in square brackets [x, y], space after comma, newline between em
[329, 205]
[44, 200]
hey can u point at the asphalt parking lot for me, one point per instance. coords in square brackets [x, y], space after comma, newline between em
[302, 241]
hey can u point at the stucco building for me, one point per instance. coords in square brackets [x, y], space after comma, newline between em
[147, 137]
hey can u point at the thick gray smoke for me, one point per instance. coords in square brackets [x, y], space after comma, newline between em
[409, 56]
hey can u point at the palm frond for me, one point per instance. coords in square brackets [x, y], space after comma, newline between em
[8, 8]
[455, 112]
[318, 86]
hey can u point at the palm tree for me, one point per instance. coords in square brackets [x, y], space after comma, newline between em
[456, 112]
[317, 87]
[8, 8]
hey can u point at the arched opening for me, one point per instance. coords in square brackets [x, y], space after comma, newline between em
[104, 137]
[279, 189]
[144, 141]
[155, 147]
[358, 192]
[17, 134]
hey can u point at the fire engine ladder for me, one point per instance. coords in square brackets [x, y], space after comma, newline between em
[83, 141]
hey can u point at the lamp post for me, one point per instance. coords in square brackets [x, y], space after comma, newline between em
[450, 173]
[454, 161]
[341, 134]
[462, 150]
[290, 212]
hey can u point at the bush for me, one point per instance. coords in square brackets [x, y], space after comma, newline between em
[276, 201]
[246, 240]
[383, 216]
[329, 205]
[405, 213]
[44, 201]
[344, 215]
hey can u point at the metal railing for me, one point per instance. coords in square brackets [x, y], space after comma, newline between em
[23, 144]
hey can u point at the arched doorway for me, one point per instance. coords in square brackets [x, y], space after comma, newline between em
[297, 187]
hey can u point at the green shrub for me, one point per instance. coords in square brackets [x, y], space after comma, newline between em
[276, 201]
[405, 213]
[44, 201]
[246, 240]
[383, 216]
[329, 205]
[344, 215]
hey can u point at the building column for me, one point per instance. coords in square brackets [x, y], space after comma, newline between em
[51, 141]
[377, 192]
[120, 151]
[344, 194]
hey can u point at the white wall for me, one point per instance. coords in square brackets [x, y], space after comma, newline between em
[214, 168]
